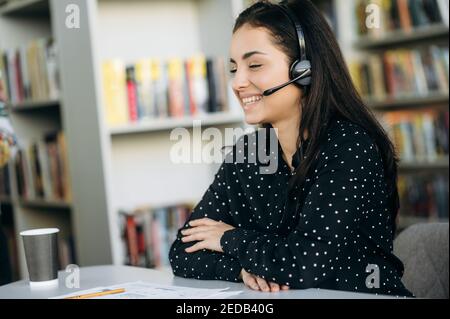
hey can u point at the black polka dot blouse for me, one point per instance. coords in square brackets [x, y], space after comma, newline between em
[340, 236]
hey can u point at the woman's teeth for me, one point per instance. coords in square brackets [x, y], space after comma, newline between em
[251, 99]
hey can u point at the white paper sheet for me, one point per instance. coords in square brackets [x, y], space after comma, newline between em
[147, 290]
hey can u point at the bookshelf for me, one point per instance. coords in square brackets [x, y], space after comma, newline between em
[439, 164]
[46, 204]
[408, 102]
[111, 168]
[412, 37]
[31, 8]
[32, 105]
[86, 219]
[400, 37]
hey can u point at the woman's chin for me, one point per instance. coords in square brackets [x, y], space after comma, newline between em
[253, 119]
[253, 113]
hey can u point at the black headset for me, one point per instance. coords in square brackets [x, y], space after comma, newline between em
[300, 69]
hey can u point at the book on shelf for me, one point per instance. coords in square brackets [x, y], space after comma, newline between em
[160, 84]
[146, 88]
[41, 169]
[152, 88]
[176, 88]
[149, 232]
[197, 82]
[404, 15]
[133, 107]
[31, 72]
[401, 73]
[423, 196]
[114, 91]
[419, 136]
[4, 76]
[217, 85]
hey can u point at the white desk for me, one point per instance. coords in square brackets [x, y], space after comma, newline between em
[91, 277]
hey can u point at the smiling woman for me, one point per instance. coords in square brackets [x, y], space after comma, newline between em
[254, 71]
[326, 217]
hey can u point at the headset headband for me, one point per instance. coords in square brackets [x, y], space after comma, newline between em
[298, 27]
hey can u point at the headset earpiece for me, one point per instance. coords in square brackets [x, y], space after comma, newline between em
[302, 64]
[299, 67]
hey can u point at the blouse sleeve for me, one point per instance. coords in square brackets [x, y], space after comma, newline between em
[206, 264]
[328, 220]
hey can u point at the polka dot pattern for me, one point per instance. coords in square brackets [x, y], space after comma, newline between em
[342, 226]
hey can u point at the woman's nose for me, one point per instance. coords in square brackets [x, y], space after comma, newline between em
[240, 81]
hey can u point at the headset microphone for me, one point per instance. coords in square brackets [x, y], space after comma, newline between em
[304, 74]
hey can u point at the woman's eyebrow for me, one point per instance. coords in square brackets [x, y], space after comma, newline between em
[248, 54]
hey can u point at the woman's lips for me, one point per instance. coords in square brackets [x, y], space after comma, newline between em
[251, 101]
[249, 106]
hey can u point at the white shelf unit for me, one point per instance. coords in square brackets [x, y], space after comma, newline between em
[141, 169]
[121, 167]
[155, 125]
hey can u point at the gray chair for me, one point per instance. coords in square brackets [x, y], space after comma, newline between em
[423, 248]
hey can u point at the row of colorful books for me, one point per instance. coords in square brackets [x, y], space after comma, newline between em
[149, 232]
[389, 15]
[30, 72]
[418, 135]
[423, 196]
[402, 73]
[41, 169]
[155, 88]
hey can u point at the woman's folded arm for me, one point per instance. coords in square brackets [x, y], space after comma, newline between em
[206, 264]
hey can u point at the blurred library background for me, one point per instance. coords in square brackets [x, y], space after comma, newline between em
[85, 126]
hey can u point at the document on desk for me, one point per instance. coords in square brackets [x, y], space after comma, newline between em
[147, 290]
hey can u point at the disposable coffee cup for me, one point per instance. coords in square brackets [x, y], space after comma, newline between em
[41, 254]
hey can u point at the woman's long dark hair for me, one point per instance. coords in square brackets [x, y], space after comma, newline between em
[331, 93]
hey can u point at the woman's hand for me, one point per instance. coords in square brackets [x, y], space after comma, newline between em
[257, 283]
[207, 231]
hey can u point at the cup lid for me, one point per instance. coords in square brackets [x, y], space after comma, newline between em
[39, 231]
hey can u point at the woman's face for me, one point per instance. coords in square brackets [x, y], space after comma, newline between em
[256, 65]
